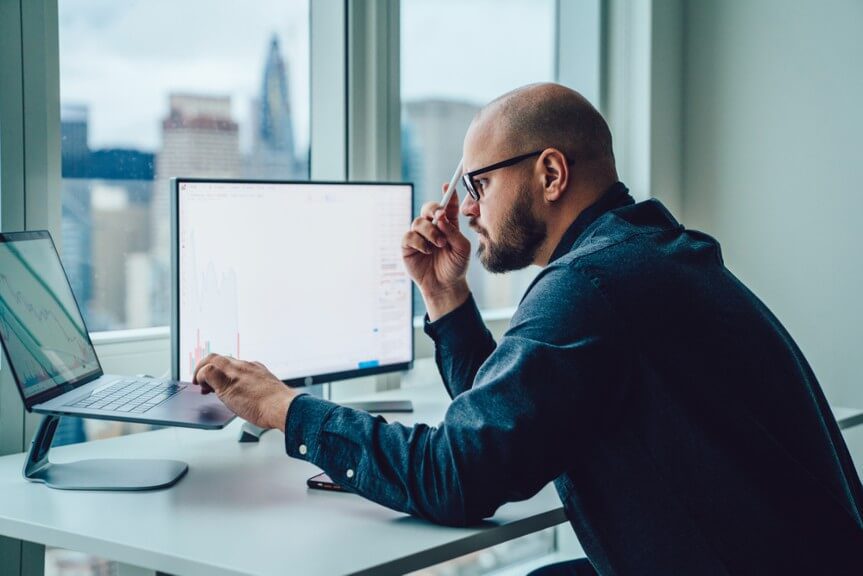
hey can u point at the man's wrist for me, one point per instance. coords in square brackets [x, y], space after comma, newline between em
[280, 409]
[445, 301]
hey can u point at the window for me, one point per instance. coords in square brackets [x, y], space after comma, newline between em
[456, 57]
[156, 89]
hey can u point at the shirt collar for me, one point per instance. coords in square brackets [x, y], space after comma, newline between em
[615, 197]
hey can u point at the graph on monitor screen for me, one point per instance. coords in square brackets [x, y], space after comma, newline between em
[306, 278]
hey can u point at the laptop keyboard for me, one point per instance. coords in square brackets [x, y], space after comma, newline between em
[131, 395]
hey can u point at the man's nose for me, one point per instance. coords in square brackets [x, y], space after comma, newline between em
[469, 206]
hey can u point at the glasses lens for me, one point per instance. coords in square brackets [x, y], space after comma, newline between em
[468, 185]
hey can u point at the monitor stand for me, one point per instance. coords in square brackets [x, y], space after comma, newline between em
[102, 474]
[382, 405]
[251, 433]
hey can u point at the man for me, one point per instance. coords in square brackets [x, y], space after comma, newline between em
[683, 429]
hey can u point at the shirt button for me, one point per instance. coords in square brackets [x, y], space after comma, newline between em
[349, 473]
[303, 449]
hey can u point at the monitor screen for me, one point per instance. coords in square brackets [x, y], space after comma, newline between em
[41, 327]
[306, 278]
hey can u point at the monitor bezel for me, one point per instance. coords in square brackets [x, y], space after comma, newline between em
[306, 380]
[60, 388]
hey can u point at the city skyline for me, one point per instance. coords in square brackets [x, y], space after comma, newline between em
[106, 44]
[250, 125]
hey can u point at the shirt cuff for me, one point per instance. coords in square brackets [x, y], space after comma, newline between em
[303, 424]
[459, 328]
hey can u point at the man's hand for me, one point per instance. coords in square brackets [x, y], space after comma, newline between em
[250, 390]
[436, 257]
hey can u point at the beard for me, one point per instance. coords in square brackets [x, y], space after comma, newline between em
[521, 236]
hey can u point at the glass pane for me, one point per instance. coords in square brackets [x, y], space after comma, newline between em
[155, 89]
[456, 56]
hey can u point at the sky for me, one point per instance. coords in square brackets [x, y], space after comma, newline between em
[122, 58]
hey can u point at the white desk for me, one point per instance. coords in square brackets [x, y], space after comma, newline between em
[245, 509]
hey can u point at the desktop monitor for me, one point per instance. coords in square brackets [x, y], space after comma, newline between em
[305, 277]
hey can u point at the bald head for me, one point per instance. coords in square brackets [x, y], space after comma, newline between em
[548, 115]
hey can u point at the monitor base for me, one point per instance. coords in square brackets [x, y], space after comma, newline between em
[99, 474]
[382, 406]
[250, 433]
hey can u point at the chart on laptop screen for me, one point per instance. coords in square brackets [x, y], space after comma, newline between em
[306, 278]
[40, 324]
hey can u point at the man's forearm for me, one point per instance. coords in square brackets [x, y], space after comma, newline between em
[462, 344]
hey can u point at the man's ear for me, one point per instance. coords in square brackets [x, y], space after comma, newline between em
[555, 174]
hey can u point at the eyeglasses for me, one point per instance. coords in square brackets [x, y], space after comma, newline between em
[470, 185]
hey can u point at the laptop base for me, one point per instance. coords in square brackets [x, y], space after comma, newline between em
[102, 474]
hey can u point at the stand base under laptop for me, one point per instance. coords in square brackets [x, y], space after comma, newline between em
[101, 474]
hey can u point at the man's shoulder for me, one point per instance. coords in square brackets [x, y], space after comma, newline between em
[632, 246]
[627, 228]
[638, 241]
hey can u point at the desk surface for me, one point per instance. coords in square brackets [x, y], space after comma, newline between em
[245, 509]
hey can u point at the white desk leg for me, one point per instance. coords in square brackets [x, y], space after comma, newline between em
[18, 557]
[129, 570]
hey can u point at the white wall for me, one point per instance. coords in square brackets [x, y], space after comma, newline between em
[773, 164]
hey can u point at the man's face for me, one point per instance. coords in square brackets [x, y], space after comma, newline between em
[516, 240]
[510, 233]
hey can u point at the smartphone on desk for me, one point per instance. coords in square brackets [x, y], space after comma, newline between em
[323, 482]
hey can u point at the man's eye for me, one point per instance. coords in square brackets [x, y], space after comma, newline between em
[481, 183]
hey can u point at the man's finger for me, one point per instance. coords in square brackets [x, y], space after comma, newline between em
[428, 210]
[214, 360]
[448, 212]
[429, 231]
[415, 242]
[208, 359]
[452, 208]
[213, 376]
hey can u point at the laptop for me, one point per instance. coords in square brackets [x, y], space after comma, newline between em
[52, 358]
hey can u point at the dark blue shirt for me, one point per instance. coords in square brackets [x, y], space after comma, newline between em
[681, 425]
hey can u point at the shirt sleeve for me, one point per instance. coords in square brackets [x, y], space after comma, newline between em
[462, 344]
[536, 400]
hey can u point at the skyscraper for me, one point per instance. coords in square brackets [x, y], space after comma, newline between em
[275, 130]
[273, 154]
[199, 138]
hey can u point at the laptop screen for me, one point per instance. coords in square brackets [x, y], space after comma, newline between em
[41, 326]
